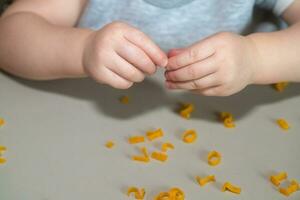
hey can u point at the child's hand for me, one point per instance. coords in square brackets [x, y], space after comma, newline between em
[119, 55]
[220, 65]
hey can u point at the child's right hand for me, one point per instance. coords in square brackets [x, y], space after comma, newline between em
[119, 55]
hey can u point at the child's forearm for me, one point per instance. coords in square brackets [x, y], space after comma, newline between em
[278, 55]
[31, 47]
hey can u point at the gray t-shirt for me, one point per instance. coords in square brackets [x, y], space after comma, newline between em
[178, 23]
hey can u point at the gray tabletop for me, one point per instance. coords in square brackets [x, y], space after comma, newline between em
[56, 132]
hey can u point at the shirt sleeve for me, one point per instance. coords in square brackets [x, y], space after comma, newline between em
[277, 6]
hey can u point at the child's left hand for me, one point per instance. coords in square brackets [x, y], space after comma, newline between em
[220, 65]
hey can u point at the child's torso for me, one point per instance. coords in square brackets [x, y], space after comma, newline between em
[172, 23]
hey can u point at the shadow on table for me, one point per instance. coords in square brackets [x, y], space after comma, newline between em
[240, 104]
[144, 97]
[150, 95]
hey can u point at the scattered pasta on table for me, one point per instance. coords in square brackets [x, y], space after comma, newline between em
[227, 186]
[214, 158]
[186, 110]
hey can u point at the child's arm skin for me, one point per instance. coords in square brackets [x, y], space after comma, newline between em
[225, 63]
[38, 41]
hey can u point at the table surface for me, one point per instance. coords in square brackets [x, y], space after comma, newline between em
[56, 132]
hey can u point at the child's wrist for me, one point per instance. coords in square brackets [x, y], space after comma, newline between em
[257, 64]
[76, 70]
[86, 45]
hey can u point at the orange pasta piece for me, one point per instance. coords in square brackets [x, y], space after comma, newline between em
[145, 152]
[226, 115]
[231, 188]
[110, 144]
[136, 139]
[276, 179]
[2, 149]
[172, 194]
[176, 194]
[205, 180]
[189, 136]
[228, 123]
[2, 160]
[2, 122]
[163, 196]
[152, 135]
[144, 158]
[166, 146]
[124, 100]
[280, 86]
[139, 194]
[186, 110]
[293, 187]
[214, 158]
[283, 124]
[227, 119]
[159, 156]
[141, 159]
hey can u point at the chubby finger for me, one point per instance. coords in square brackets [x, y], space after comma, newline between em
[141, 40]
[106, 76]
[175, 52]
[192, 54]
[198, 84]
[125, 70]
[194, 71]
[136, 56]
